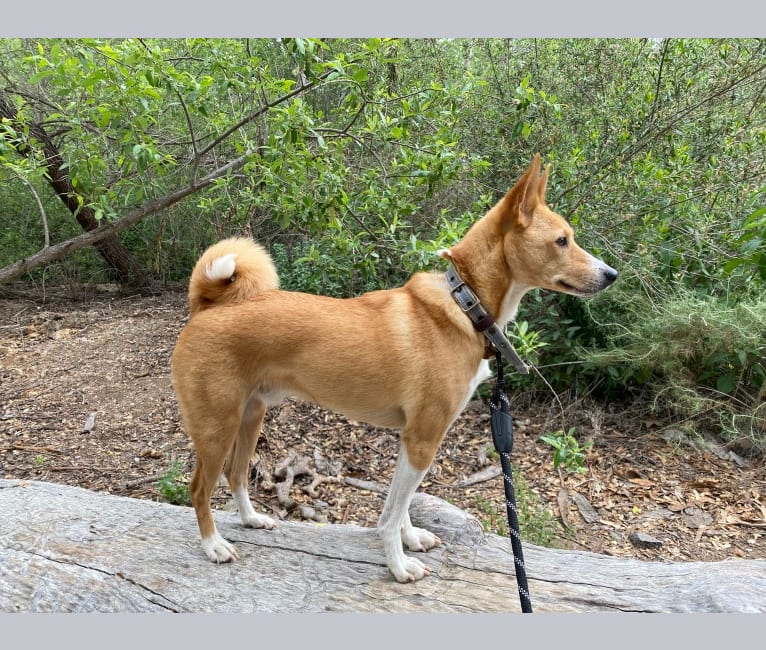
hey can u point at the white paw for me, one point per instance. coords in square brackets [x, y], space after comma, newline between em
[419, 539]
[254, 520]
[218, 549]
[408, 569]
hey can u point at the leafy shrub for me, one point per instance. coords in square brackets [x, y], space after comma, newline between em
[703, 356]
[172, 486]
[567, 451]
[537, 525]
[750, 259]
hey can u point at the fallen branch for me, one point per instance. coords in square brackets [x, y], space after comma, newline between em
[134, 483]
[34, 448]
[58, 251]
[371, 486]
[486, 474]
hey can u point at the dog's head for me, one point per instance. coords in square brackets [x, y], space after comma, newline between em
[539, 245]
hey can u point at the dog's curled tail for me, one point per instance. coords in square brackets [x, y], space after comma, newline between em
[231, 271]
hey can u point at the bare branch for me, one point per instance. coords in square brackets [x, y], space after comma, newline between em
[43, 216]
[658, 85]
[261, 111]
[647, 137]
[58, 251]
[189, 124]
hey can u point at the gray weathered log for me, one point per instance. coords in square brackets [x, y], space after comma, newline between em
[67, 549]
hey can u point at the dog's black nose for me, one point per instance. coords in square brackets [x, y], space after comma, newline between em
[610, 275]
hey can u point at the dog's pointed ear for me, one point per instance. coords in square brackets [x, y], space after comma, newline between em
[543, 184]
[524, 196]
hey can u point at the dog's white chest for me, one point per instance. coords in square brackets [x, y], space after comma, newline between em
[482, 372]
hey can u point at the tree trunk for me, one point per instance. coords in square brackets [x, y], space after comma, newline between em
[129, 270]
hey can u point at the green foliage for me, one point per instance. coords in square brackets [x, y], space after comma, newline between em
[704, 356]
[567, 451]
[749, 264]
[698, 340]
[492, 519]
[172, 486]
[339, 154]
[537, 525]
[526, 341]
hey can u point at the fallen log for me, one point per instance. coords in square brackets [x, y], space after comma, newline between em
[66, 549]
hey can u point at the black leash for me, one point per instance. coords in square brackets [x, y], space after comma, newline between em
[502, 425]
[502, 436]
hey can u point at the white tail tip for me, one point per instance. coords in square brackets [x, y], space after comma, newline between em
[221, 268]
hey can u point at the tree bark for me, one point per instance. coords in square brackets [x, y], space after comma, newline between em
[66, 549]
[111, 249]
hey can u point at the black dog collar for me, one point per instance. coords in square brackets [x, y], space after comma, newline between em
[481, 319]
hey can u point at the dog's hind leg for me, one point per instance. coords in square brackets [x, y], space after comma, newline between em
[210, 461]
[394, 526]
[238, 464]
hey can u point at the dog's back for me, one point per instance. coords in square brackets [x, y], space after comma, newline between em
[231, 271]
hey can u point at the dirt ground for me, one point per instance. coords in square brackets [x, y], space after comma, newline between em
[86, 399]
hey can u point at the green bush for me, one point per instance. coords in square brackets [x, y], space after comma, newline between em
[703, 357]
[567, 451]
[172, 486]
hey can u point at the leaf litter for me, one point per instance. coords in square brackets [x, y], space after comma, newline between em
[86, 399]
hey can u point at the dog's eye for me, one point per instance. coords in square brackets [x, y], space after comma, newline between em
[562, 241]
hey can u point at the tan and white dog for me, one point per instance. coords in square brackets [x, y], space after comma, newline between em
[375, 358]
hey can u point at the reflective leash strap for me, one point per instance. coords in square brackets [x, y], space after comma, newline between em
[502, 436]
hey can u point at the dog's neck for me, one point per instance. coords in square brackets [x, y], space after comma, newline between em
[482, 320]
[510, 303]
[481, 262]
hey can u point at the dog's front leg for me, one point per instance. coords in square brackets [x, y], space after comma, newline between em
[394, 526]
